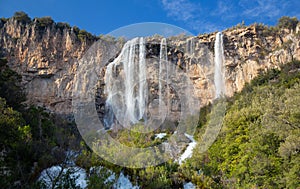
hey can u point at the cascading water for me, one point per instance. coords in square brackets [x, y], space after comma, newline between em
[219, 74]
[143, 88]
[190, 46]
[127, 89]
[109, 115]
[129, 94]
[163, 65]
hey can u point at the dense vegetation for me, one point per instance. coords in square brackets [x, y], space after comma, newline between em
[30, 138]
[259, 143]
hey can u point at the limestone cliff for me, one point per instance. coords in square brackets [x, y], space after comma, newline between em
[45, 56]
[46, 53]
[248, 51]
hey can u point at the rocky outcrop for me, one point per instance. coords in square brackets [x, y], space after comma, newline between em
[248, 51]
[253, 49]
[46, 56]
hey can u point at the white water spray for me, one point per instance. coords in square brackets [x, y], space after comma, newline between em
[162, 67]
[219, 75]
[129, 93]
[143, 87]
[127, 89]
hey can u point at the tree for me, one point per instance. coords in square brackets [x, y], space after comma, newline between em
[10, 86]
[288, 22]
[14, 137]
[22, 17]
[44, 21]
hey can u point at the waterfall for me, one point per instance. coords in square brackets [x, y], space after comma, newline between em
[127, 89]
[129, 70]
[108, 116]
[127, 94]
[190, 46]
[163, 65]
[219, 74]
[143, 88]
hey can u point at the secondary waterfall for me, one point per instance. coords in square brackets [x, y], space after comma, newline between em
[219, 74]
[162, 67]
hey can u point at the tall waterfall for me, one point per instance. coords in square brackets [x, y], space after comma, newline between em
[126, 83]
[162, 67]
[219, 74]
[127, 96]
[143, 88]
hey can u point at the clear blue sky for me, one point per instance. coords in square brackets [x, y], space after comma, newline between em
[202, 16]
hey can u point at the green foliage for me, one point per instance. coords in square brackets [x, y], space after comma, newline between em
[266, 31]
[287, 22]
[22, 17]
[37, 138]
[99, 178]
[3, 20]
[83, 35]
[28, 135]
[10, 123]
[258, 146]
[14, 137]
[76, 29]
[44, 21]
[265, 78]
[135, 138]
[155, 177]
[63, 25]
[10, 86]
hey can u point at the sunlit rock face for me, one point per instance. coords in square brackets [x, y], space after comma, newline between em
[46, 56]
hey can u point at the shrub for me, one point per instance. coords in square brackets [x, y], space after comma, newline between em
[3, 19]
[76, 29]
[84, 35]
[22, 17]
[44, 21]
[288, 22]
[62, 25]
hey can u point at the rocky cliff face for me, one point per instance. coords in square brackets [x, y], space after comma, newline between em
[247, 50]
[46, 56]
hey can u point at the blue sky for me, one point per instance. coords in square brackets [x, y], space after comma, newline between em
[102, 17]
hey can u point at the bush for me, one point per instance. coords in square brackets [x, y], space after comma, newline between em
[84, 35]
[62, 25]
[44, 21]
[3, 19]
[22, 17]
[288, 22]
[10, 86]
[76, 29]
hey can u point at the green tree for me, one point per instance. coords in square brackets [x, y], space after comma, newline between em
[44, 21]
[22, 17]
[287, 22]
[14, 139]
[258, 146]
[10, 86]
